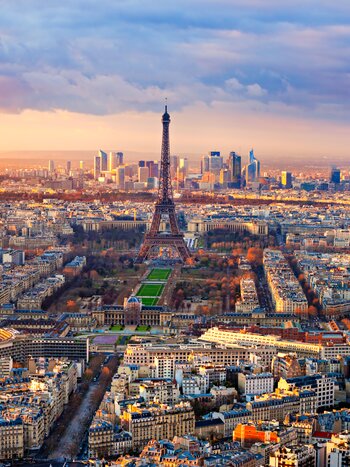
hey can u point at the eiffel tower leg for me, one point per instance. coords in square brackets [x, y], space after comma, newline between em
[173, 222]
[155, 222]
[183, 251]
[144, 251]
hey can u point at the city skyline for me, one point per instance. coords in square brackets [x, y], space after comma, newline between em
[239, 76]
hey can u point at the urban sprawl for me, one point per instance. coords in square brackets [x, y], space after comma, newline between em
[160, 313]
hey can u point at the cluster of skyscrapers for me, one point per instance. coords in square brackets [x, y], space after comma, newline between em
[214, 170]
[229, 173]
[112, 165]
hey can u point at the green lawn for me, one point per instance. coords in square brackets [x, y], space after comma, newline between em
[123, 340]
[159, 274]
[142, 328]
[150, 290]
[116, 327]
[149, 301]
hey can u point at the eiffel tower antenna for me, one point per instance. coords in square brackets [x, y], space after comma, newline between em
[164, 207]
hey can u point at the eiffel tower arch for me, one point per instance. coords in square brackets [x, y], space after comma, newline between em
[164, 208]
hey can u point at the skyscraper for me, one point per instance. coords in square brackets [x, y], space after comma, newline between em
[183, 166]
[120, 158]
[97, 167]
[174, 163]
[81, 165]
[235, 169]
[252, 170]
[143, 174]
[51, 166]
[215, 163]
[104, 160]
[286, 179]
[182, 172]
[335, 175]
[225, 178]
[153, 167]
[120, 178]
[205, 164]
[112, 161]
[68, 167]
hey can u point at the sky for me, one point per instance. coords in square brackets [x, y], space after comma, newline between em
[85, 74]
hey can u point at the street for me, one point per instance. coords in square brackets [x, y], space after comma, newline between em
[69, 436]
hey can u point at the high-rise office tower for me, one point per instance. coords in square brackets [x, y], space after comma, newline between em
[205, 164]
[252, 170]
[112, 161]
[142, 163]
[81, 165]
[225, 177]
[183, 166]
[68, 167]
[335, 175]
[120, 158]
[235, 169]
[215, 163]
[131, 170]
[286, 179]
[152, 183]
[143, 174]
[104, 160]
[174, 163]
[120, 178]
[51, 166]
[97, 167]
[153, 167]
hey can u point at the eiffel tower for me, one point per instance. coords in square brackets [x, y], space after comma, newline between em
[164, 206]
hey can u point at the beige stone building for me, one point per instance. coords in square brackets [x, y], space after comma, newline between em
[11, 439]
[157, 421]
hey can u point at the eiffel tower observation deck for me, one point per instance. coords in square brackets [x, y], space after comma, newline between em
[155, 240]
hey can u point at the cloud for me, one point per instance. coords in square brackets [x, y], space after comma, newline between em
[108, 57]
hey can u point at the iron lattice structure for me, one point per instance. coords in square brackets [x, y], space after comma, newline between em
[164, 207]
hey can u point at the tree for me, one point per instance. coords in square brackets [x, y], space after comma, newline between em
[312, 310]
[255, 256]
[94, 275]
[72, 306]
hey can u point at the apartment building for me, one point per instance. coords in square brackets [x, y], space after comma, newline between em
[101, 439]
[255, 384]
[6, 365]
[287, 294]
[195, 384]
[328, 275]
[338, 449]
[145, 354]
[233, 418]
[227, 337]
[30, 407]
[11, 438]
[294, 456]
[249, 297]
[165, 391]
[157, 421]
[322, 385]
[279, 404]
